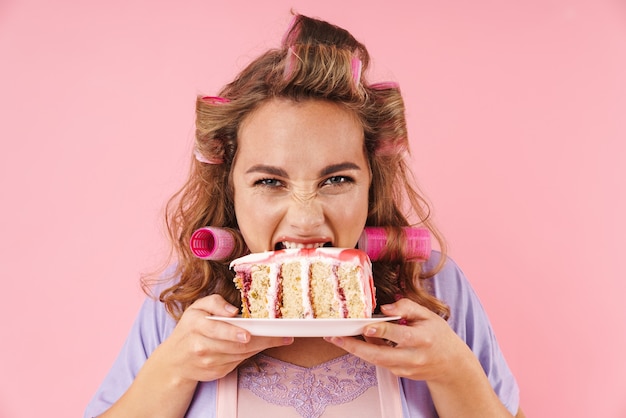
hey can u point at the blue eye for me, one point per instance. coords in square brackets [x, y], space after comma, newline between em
[268, 183]
[337, 180]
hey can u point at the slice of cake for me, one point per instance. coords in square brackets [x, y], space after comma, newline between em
[306, 283]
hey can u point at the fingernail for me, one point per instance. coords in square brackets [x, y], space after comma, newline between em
[287, 340]
[230, 308]
[242, 337]
[389, 307]
[335, 340]
[371, 331]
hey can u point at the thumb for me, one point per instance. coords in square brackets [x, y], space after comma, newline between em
[215, 305]
[406, 308]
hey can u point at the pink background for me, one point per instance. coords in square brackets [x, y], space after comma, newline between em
[516, 114]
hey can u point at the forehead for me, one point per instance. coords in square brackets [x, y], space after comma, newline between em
[283, 131]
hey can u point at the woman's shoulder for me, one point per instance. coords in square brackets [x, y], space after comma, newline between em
[470, 322]
[153, 318]
[451, 286]
[163, 279]
[449, 280]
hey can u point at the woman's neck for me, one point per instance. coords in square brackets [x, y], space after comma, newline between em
[306, 352]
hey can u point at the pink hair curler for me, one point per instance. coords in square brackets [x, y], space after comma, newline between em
[417, 245]
[216, 100]
[212, 243]
[215, 243]
[203, 159]
[357, 67]
[385, 85]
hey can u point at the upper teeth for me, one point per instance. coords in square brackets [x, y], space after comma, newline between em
[297, 245]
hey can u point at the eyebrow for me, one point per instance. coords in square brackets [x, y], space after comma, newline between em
[339, 167]
[276, 171]
[267, 169]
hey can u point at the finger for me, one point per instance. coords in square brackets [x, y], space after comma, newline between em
[215, 305]
[244, 342]
[222, 331]
[378, 341]
[407, 309]
[392, 334]
[379, 354]
[259, 344]
[369, 335]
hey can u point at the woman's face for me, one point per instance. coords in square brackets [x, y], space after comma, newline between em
[301, 176]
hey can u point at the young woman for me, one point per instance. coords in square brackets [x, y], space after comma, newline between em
[301, 150]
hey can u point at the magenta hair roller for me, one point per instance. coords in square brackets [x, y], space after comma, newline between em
[212, 243]
[215, 243]
[417, 245]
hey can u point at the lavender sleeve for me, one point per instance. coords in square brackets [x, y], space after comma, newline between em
[148, 331]
[469, 320]
[151, 327]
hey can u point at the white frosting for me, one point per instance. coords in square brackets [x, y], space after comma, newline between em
[305, 277]
[272, 292]
[275, 259]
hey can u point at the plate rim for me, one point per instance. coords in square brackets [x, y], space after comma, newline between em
[265, 326]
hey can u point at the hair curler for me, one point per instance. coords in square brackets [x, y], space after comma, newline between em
[216, 243]
[416, 243]
[212, 243]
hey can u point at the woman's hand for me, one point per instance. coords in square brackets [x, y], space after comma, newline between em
[426, 348]
[202, 349]
[423, 347]
[199, 349]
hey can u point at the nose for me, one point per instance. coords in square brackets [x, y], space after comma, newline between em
[305, 216]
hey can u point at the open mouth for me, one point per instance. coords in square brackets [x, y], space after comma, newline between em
[286, 245]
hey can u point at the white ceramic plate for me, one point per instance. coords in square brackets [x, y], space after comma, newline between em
[320, 327]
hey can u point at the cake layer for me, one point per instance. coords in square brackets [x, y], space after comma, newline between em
[306, 283]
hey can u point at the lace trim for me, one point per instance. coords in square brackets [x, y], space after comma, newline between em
[308, 390]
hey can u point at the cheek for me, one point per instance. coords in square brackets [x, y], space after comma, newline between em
[249, 225]
[348, 218]
[246, 209]
[256, 218]
[354, 210]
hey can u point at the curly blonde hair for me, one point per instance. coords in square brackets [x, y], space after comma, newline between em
[316, 61]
